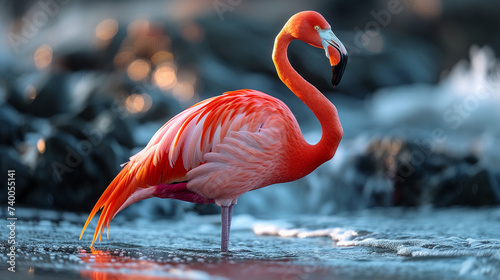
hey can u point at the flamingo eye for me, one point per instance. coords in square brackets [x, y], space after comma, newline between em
[317, 27]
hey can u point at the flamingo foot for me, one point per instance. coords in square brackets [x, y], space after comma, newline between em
[226, 214]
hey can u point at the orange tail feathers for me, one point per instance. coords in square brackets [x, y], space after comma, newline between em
[111, 200]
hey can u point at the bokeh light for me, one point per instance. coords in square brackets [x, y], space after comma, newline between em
[40, 145]
[146, 38]
[138, 69]
[137, 103]
[43, 57]
[106, 29]
[427, 8]
[164, 76]
[193, 32]
[162, 56]
[138, 27]
[183, 91]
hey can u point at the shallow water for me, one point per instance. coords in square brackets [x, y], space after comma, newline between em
[457, 243]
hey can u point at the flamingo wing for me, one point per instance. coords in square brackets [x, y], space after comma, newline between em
[223, 147]
[246, 117]
[242, 162]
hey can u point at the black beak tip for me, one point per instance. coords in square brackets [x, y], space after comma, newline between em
[338, 70]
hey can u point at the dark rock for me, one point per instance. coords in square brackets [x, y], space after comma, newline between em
[19, 88]
[471, 159]
[18, 9]
[41, 96]
[11, 126]
[96, 103]
[71, 58]
[163, 108]
[122, 129]
[468, 188]
[163, 105]
[74, 126]
[11, 160]
[66, 160]
[404, 59]
[108, 158]
[78, 60]
[451, 30]
[250, 50]
[58, 174]
[418, 176]
[115, 121]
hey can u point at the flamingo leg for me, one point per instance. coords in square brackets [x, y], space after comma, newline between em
[230, 216]
[226, 214]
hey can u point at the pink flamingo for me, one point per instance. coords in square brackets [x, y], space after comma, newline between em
[240, 141]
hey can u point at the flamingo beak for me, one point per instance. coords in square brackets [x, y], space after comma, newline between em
[336, 53]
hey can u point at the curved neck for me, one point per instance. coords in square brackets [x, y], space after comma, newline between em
[322, 108]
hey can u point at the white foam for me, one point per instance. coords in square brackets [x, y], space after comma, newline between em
[283, 229]
[441, 247]
[270, 227]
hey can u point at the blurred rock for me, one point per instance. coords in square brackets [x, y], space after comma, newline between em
[73, 57]
[11, 128]
[450, 26]
[40, 95]
[11, 160]
[163, 108]
[250, 49]
[401, 60]
[122, 129]
[96, 103]
[103, 115]
[469, 187]
[78, 60]
[74, 126]
[66, 160]
[405, 174]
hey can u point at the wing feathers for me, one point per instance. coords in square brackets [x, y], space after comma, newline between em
[223, 142]
[242, 162]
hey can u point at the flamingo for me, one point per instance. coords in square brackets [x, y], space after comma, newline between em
[243, 140]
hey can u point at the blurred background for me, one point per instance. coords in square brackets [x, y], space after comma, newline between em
[85, 84]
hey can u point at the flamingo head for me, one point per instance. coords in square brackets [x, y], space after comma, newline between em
[312, 28]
